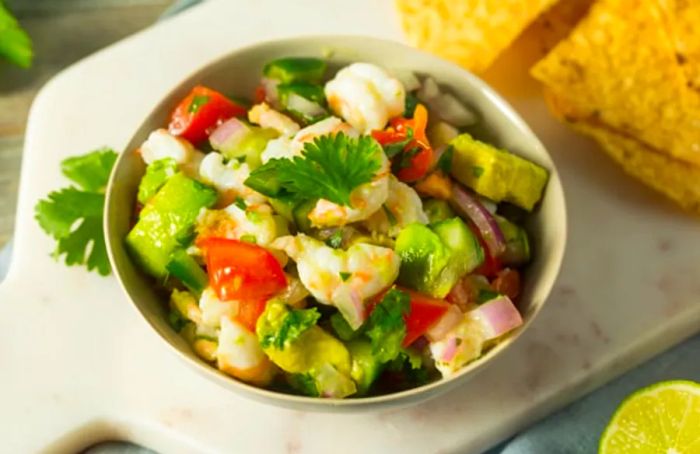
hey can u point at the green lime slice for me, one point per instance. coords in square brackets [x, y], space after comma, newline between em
[660, 419]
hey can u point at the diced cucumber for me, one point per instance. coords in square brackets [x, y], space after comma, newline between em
[342, 329]
[466, 253]
[423, 257]
[296, 69]
[434, 258]
[437, 210]
[167, 221]
[185, 268]
[497, 174]
[157, 173]
[517, 251]
[247, 142]
[365, 367]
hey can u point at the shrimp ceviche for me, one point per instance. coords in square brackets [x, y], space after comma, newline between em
[339, 236]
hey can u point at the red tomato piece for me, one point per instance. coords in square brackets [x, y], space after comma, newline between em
[388, 136]
[200, 112]
[259, 95]
[425, 312]
[418, 165]
[249, 312]
[507, 282]
[242, 271]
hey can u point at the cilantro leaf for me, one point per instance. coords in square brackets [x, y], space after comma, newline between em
[386, 327]
[330, 168]
[336, 239]
[157, 173]
[344, 275]
[303, 383]
[394, 148]
[15, 44]
[293, 324]
[73, 217]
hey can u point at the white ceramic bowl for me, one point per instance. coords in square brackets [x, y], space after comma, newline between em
[237, 74]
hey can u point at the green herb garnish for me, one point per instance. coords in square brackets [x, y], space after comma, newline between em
[294, 323]
[386, 327]
[15, 44]
[197, 102]
[344, 276]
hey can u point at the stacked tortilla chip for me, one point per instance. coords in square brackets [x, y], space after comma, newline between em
[470, 32]
[628, 75]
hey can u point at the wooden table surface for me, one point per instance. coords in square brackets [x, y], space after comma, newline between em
[63, 31]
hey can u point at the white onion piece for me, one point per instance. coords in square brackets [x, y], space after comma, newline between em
[444, 105]
[470, 206]
[226, 132]
[409, 80]
[449, 320]
[490, 205]
[497, 316]
[304, 106]
[271, 94]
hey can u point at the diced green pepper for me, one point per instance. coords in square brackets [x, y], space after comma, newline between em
[312, 92]
[157, 173]
[497, 174]
[301, 215]
[167, 221]
[296, 69]
[185, 268]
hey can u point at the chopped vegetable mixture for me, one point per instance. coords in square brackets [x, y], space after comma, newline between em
[337, 238]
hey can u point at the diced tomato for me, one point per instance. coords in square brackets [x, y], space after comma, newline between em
[249, 312]
[507, 282]
[425, 312]
[241, 271]
[200, 112]
[387, 136]
[259, 95]
[418, 165]
[418, 124]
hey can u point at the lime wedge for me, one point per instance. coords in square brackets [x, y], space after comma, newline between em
[661, 419]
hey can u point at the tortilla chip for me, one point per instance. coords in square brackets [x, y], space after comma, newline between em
[469, 32]
[685, 26]
[557, 22]
[619, 67]
[678, 180]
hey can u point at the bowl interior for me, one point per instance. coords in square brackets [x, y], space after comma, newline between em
[237, 74]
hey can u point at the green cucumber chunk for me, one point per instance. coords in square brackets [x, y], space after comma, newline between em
[157, 173]
[466, 253]
[186, 269]
[301, 215]
[423, 257]
[167, 221]
[296, 69]
[517, 251]
[497, 174]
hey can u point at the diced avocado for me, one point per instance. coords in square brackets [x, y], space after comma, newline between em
[314, 352]
[423, 257]
[166, 221]
[296, 69]
[185, 268]
[437, 210]
[157, 173]
[440, 134]
[312, 92]
[434, 258]
[365, 366]
[497, 174]
[301, 215]
[517, 251]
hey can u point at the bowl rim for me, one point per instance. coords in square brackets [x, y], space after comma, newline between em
[418, 393]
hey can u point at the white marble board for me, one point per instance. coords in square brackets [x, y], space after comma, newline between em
[79, 365]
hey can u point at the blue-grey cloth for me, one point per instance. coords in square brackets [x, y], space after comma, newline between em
[574, 430]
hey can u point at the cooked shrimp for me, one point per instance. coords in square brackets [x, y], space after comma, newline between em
[402, 207]
[160, 144]
[284, 147]
[228, 178]
[268, 117]
[365, 96]
[239, 354]
[345, 279]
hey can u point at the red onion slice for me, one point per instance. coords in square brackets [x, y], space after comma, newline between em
[449, 320]
[497, 317]
[484, 221]
[227, 133]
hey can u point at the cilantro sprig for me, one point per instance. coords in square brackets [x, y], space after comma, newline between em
[15, 44]
[386, 327]
[73, 215]
[293, 324]
[330, 168]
